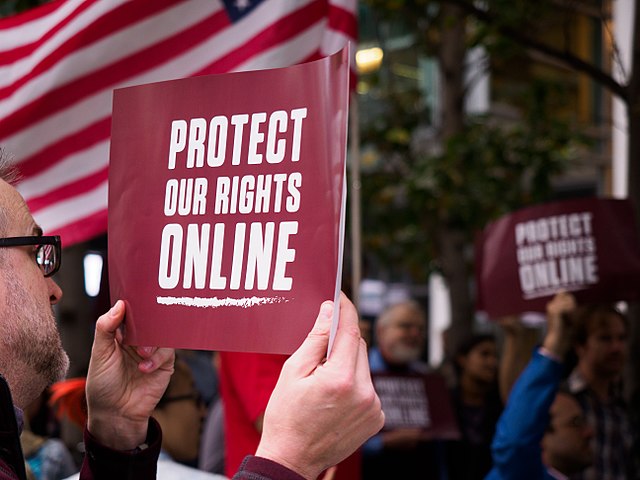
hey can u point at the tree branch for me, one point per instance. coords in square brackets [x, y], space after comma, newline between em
[583, 8]
[563, 57]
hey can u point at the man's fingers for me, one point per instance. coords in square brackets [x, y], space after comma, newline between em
[314, 348]
[161, 358]
[107, 327]
[363, 371]
[110, 321]
[347, 341]
[363, 378]
[146, 352]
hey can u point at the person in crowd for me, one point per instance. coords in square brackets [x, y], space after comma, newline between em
[477, 405]
[542, 433]
[203, 371]
[179, 412]
[596, 382]
[48, 458]
[211, 456]
[319, 413]
[400, 333]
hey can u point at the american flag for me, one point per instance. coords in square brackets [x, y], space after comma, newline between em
[59, 64]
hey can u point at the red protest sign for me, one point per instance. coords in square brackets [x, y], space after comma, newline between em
[586, 246]
[414, 401]
[225, 201]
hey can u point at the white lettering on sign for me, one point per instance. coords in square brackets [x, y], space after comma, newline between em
[186, 259]
[197, 142]
[556, 252]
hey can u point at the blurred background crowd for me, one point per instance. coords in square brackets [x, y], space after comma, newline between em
[462, 111]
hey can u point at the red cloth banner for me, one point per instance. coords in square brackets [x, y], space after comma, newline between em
[586, 246]
[225, 205]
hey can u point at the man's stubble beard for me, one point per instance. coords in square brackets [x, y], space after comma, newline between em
[404, 354]
[31, 334]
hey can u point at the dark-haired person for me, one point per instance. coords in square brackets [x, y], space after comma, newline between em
[477, 405]
[601, 346]
[542, 433]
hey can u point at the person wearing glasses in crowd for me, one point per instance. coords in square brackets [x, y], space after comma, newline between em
[321, 409]
[179, 412]
[542, 433]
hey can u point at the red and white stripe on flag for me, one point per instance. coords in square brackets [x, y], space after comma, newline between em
[60, 63]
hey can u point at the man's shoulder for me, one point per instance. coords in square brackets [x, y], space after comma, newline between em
[579, 387]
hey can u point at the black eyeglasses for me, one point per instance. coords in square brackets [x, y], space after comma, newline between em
[48, 251]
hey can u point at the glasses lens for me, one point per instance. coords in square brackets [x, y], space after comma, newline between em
[46, 258]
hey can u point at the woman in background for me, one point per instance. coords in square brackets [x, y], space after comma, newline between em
[477, 405]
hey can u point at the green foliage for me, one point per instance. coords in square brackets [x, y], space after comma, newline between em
[412, 190]
[479, 174]
[486, 171]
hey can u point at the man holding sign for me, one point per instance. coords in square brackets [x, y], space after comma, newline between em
[399, 452]
[302, 436]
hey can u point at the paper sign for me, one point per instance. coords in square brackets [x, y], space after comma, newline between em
[415, 401]
[586, 246]
[225, 201]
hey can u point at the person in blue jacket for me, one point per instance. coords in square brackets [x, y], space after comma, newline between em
[542, 433]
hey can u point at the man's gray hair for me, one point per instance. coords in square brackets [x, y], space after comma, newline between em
[391, 311]
[8, 171]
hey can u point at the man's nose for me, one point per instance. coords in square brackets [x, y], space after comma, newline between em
[55, 292]
[415, 329]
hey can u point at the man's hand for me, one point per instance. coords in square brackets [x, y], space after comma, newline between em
[322, 411]
[558, 339]
[511, 325]
[124, 384]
